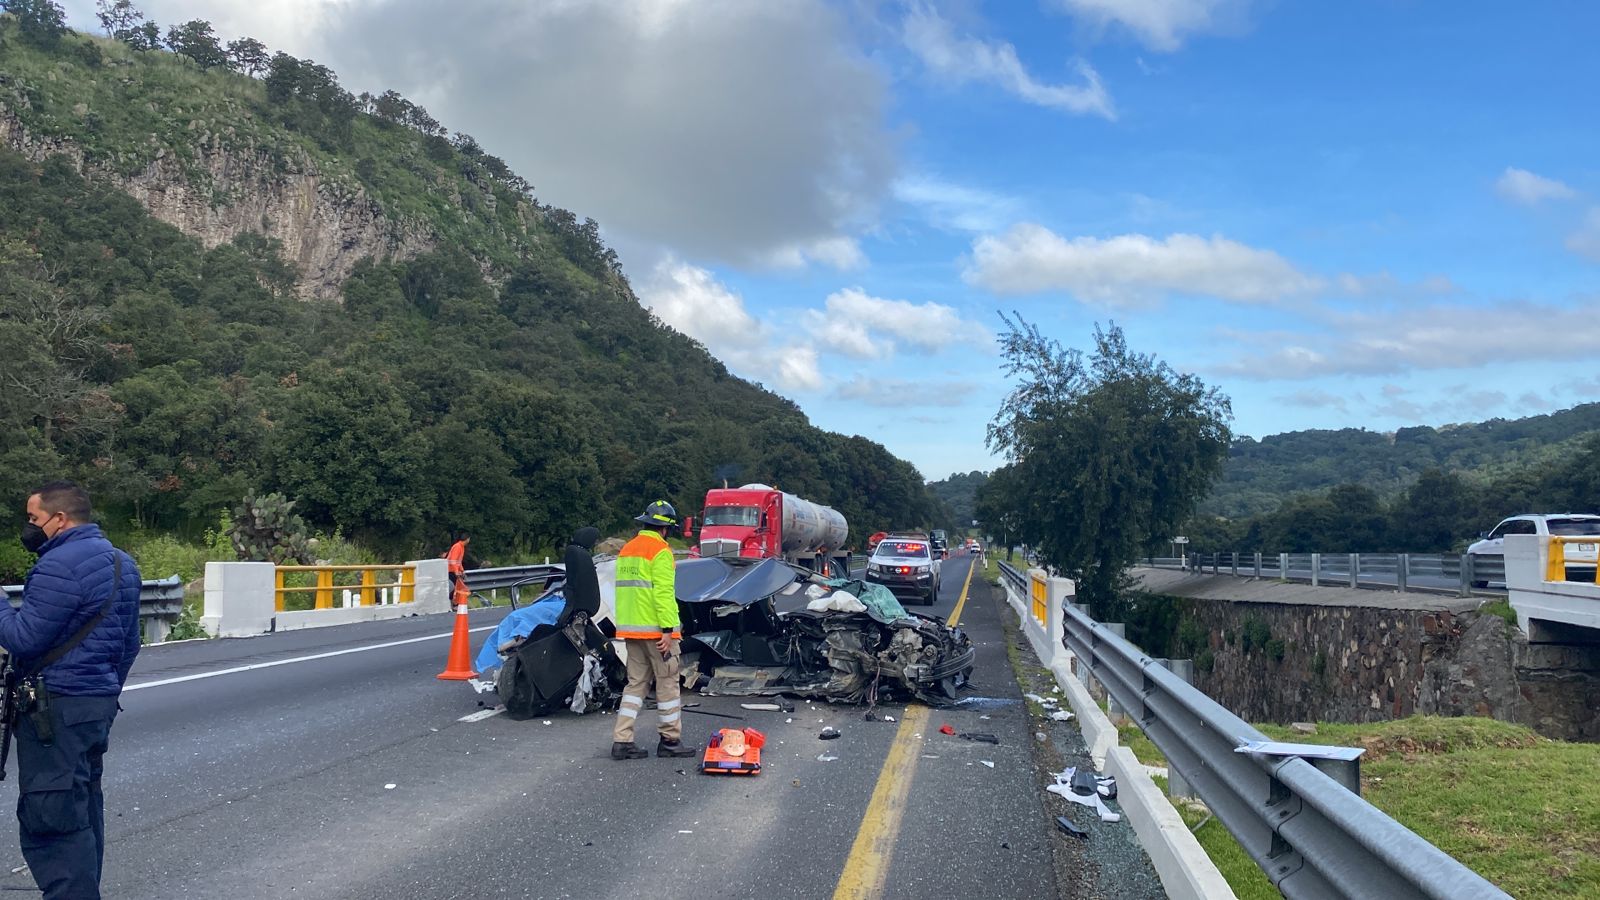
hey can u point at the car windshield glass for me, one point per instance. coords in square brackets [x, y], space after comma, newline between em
[732, 515]
[903, 548]
[1574, 527]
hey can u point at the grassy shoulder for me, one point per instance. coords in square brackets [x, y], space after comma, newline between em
[1518, 809]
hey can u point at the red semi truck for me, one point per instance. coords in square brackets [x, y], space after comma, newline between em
[760, 521]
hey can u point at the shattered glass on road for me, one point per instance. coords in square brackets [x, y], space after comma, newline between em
[765, 627]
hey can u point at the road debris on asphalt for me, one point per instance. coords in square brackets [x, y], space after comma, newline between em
[1061, 715]
[826, 757]
[1065, 824]
[987, 762]
[978, 737]
[828, 733]
[1086, 789]
[947, 728]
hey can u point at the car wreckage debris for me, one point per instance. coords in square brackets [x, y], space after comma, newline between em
[747, 631]
[1065, 824]
[979, 737]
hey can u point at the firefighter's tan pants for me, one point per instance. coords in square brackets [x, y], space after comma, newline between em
[644, 664]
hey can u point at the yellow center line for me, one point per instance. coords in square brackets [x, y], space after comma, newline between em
[868, 865]
[955, 614]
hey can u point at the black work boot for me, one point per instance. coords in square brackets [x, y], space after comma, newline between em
[673, 748]
[620, 750]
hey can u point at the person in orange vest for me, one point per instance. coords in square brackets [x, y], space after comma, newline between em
[647, 622]
[456, 557]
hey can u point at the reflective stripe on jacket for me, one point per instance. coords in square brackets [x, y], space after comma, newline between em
[647, 601]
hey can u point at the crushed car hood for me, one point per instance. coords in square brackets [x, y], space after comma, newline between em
[747, 630]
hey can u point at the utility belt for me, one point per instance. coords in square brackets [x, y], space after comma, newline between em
[30, 698]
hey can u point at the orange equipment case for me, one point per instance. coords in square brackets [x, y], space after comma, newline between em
[715, 762]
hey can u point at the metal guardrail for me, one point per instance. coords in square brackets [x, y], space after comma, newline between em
[367, 592]
[1462, 573]
[160, 604]
[1311, 835]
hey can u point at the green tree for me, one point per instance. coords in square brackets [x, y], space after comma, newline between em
[41, 22]
[248, 56]
[1433, 513]
[197, 41]
[1115, 449]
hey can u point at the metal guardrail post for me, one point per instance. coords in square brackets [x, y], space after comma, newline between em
[1316, 569]
[1283, 567]
[1402, 571]
[1355, 570]
[1184, 669]
[1233, 564]
[1258, 565]
[1466, 575]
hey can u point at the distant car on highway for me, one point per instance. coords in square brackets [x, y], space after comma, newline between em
[1580, 557]
[907, 566]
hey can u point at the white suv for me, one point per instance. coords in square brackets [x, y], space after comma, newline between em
[907, 566]
[1580, 557]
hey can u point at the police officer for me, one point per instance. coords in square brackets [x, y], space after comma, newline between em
[647, 623]
[77, 632]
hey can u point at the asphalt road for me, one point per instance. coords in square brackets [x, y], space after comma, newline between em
[332, 764]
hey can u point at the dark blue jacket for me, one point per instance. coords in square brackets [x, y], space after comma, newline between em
[64, 590]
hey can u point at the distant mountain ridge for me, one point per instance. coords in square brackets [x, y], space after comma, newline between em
[1260, 474]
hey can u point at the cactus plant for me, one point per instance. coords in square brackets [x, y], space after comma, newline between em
[265, 528]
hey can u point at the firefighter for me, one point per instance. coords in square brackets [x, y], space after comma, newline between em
[647, 622]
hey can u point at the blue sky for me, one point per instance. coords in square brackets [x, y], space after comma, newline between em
[1372, 213]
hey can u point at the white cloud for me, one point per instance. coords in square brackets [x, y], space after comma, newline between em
[839, 252]
[1315, 399]
[693, 301]
[1132, 268]
[1160, 24]
[1528, 189]
[962, 59]
[745, 133]
[1433, 337]
[1586, 240]
[857, 324]
[954, 206]
[894, 393]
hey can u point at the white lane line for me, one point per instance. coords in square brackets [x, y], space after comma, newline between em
[482, 714]
[297, 659]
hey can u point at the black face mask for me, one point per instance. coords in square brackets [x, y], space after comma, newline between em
[33, 537]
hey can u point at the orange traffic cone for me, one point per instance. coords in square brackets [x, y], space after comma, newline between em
[459, 665]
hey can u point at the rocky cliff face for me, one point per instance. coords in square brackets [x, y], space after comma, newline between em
[325, 224]
[1366, 664]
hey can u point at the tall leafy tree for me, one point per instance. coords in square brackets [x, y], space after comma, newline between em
[41, 22]
[196, 40]
[1112, 449]
[247, 55]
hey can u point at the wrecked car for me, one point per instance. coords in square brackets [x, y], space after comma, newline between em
[557, 651]
[765, 627]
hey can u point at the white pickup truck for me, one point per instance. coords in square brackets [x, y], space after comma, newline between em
[1580, 557]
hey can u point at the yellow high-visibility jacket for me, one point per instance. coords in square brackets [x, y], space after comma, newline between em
[647, 600]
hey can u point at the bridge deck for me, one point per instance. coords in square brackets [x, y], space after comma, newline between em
[1178, 583]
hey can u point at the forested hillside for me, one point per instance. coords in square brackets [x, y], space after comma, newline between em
[482, 365]
[1260, 474]
[958, 493]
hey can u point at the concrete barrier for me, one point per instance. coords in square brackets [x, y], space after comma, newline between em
[1548, 611]
[241, 600]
